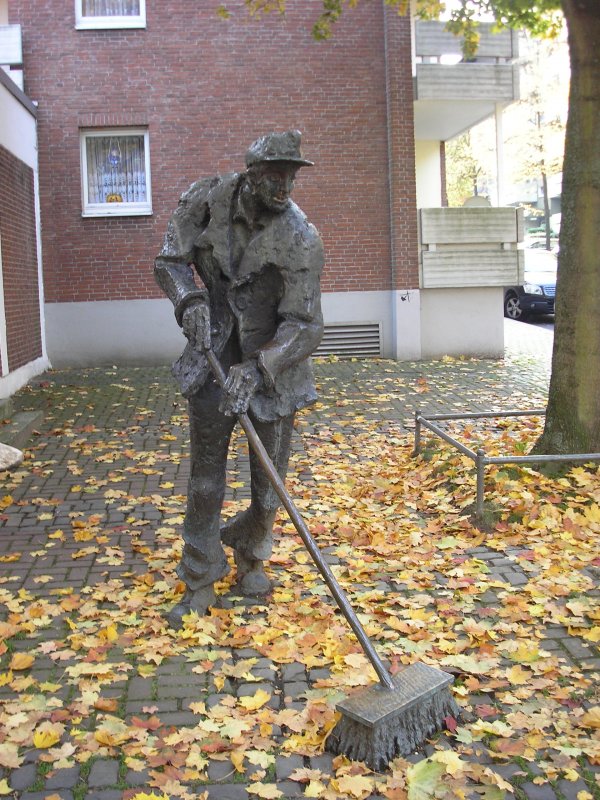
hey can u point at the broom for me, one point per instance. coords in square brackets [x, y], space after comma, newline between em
[390, 718]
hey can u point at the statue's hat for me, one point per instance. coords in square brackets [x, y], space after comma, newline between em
[277, 147]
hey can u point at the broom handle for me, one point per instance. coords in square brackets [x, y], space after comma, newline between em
[306, 536]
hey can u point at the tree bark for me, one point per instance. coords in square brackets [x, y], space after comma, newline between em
[573, 413]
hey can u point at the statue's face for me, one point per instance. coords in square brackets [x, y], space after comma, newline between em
[272, 183]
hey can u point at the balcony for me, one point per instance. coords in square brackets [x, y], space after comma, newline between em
[470, 247]
[11, 52]
[452, 95]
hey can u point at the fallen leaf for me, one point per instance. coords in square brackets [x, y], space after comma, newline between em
[47, 735]
[424, 780]
[591, 719]
[268, 791]
[256, 701]
[21, 661]
[9, 756]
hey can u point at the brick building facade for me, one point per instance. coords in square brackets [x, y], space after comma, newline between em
[201, 89]
[22, 346]
[137, 99]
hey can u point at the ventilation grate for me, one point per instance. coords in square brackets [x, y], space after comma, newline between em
[351, 341]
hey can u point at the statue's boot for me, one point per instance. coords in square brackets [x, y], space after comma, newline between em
[198, 600]
[252, 580]
[251, 536]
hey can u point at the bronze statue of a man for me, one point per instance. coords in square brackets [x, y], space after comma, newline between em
[257, 305]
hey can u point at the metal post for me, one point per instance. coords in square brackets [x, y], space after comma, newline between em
[480, 462]
[417, 447]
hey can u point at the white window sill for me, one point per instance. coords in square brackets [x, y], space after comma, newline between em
[118, 211]
[109, 23]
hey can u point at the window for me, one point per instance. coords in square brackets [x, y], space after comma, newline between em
[110, 14]
[115, 172]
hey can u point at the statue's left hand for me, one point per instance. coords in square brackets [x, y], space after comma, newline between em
[242, 382]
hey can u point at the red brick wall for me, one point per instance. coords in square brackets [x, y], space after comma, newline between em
[206, 88]
[19, 261]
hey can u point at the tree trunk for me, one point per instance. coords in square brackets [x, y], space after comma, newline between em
[573, 413]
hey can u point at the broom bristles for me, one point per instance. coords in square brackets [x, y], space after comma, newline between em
[398, 734]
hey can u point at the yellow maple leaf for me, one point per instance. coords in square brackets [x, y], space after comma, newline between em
[592, 635]
[525, 654]
[256, 701]
[144, 796]
[6, 501]
[315, 789]
[49, 686]
[10, 558]
[591, 719]
[237, 759]
[593, 512]
[4, 787]
[21, 661]
[109, 634]
[47, 735]
[451, 761]
[517, 675]
[353, 785]
[268, 791]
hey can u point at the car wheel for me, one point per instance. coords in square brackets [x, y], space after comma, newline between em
[512, 307]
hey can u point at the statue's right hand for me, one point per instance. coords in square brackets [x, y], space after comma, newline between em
[195, 324]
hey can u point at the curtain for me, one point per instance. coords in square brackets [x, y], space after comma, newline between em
[116, 169]
[110, 8]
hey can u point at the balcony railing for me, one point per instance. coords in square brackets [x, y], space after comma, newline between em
[490, 75]
[433, 42]
[468, 247]
[463, 92]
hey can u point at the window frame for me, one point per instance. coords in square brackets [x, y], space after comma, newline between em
[111, 22]
[124, 209]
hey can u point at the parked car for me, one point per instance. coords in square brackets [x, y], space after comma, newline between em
[536, 295]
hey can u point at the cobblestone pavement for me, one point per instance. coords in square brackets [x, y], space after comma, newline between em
[90, 415]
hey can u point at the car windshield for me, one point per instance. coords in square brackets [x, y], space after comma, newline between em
[540, 267]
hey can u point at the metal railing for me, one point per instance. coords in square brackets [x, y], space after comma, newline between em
[479, 456]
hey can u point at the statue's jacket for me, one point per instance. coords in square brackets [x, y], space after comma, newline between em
[270, 300]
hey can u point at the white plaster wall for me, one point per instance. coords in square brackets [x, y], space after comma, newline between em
[426, 323]
[428, 174]
[100, 333]
[17, 129]
[360, 308]
[11, 383]
[145, 331]
[466, 322]
[406, 321]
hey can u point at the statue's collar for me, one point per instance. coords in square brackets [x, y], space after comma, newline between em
[244, 210]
